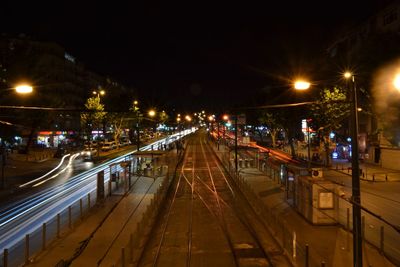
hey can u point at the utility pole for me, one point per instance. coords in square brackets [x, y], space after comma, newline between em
[137, 136]
[236, 145]
[218, 137]
[3, 164]
[308, 144]
[355, 178]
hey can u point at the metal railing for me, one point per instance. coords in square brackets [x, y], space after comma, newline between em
[378, 235]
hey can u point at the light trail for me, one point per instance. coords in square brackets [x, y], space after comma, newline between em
[47, 174]
[71, 159]
[27, 216]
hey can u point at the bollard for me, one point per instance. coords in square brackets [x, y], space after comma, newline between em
[44, 236]
[306, 257]
[382, 239]
[386, 177]
[58, 225]
[5, 258]
[131, 247]
[88, 200]
[362, 227]
[27, 249]
[348, 219]
[294, 245]
[70, 217]
[122, 257]
[373, 177]
[322, 264]
[81, 208]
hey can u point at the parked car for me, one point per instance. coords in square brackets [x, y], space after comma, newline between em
[108, 145]
[124, 142]
[88, 153]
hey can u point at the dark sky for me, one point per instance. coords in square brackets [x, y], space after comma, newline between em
[190, 54]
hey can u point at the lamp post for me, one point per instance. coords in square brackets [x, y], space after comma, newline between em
[236, 144]
[355, 175]
[22, 89]
[98, 94]
[225, 118]
[304, 85]
[137, 115]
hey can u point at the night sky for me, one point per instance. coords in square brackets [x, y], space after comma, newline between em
[192, 54]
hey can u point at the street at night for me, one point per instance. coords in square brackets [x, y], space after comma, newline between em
[200, 134]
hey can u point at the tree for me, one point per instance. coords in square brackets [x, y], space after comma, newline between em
[163, 117]
[270, 120]
[329, 113]
[95, 115]
[117, 120]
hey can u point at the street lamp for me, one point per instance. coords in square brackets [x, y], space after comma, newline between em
[99, 93]
[24, 89]
[137, 115]
[304, 85]
[20, 89]
[355, 175]
[152, 113]
[301, 85]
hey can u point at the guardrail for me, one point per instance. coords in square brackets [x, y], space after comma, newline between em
[383, 237]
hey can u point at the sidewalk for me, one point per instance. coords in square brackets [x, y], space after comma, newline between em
[97, 240]
[329, 244]
[369, 171]
[104, 231]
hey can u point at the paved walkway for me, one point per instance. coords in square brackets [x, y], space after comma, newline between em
[105, 231]
[331, 244]
[98, 239]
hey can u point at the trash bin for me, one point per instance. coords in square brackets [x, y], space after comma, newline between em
[147, 172]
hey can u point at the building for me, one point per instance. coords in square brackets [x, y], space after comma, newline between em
[59, 80]
[371, 47]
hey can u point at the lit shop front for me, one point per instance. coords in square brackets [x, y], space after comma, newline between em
[53, 138]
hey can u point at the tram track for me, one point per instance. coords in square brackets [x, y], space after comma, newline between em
[205, 222]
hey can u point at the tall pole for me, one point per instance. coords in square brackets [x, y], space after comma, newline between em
[355, 175]
[308, 144]
[3, 164]
[218, 137]
[137, 136]
[236, 145]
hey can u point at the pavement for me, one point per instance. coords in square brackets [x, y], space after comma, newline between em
[328, 243]
[369, 171]
[98, 239]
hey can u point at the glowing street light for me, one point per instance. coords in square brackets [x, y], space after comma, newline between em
[225, 117]
[301, 85]
[152, 113]
[24, 89]
[396, 82]
[99, 93]
[188, 118]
